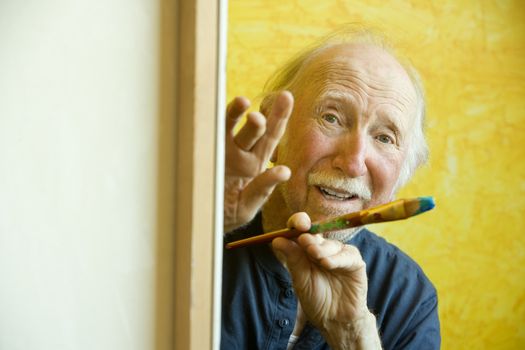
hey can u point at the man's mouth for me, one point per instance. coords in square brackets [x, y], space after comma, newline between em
[338, 195]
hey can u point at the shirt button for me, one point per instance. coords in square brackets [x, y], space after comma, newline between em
[284, 322]
[288, 292]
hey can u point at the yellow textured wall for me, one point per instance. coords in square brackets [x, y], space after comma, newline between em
[471, 55]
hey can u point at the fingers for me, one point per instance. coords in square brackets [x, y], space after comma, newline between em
[259, 189]
[331, 254]
[318, 247]
[258, 128]
[291, 251]
[251, 132]
[234, 112]
[348, 259]
[276, 124]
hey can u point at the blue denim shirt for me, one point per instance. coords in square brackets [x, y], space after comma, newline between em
[259, 305]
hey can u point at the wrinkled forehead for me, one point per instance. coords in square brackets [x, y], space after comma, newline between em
[366, 72]
[362, 62]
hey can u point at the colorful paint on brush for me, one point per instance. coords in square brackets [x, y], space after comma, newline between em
[334, 225]
[425, 204]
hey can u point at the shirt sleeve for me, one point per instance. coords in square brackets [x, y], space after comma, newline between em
[424, 329]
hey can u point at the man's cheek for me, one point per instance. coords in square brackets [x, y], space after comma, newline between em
[315, 146]
[382, 190]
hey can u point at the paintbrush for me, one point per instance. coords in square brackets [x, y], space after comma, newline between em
[396, 210]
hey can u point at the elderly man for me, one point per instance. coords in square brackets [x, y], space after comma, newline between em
[344, 128]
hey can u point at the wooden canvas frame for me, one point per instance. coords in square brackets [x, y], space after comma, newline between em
[199, 90]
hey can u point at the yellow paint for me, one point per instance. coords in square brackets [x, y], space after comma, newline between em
[471, 55]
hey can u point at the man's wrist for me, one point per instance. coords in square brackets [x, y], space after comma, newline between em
[359, 334]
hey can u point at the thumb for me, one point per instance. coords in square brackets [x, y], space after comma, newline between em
[299, 221]
[259, 189]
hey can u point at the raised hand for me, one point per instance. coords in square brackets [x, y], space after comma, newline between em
[247, 182]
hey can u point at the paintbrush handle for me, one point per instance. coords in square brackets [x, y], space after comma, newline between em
[396, 210]
[264, 238]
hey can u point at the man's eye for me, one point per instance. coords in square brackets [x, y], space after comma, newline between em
[384, 139]
[330, 118]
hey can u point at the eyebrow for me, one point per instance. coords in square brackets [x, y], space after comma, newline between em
[387, 119]
[337, 96]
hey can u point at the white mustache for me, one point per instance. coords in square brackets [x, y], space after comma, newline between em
[352, 185]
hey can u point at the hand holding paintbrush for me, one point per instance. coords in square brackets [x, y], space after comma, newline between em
[396, 210]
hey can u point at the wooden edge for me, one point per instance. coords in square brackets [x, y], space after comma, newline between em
[195, 180]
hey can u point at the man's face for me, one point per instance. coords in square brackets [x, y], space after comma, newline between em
[349, 132]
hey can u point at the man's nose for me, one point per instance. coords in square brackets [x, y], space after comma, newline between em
[351, 155]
